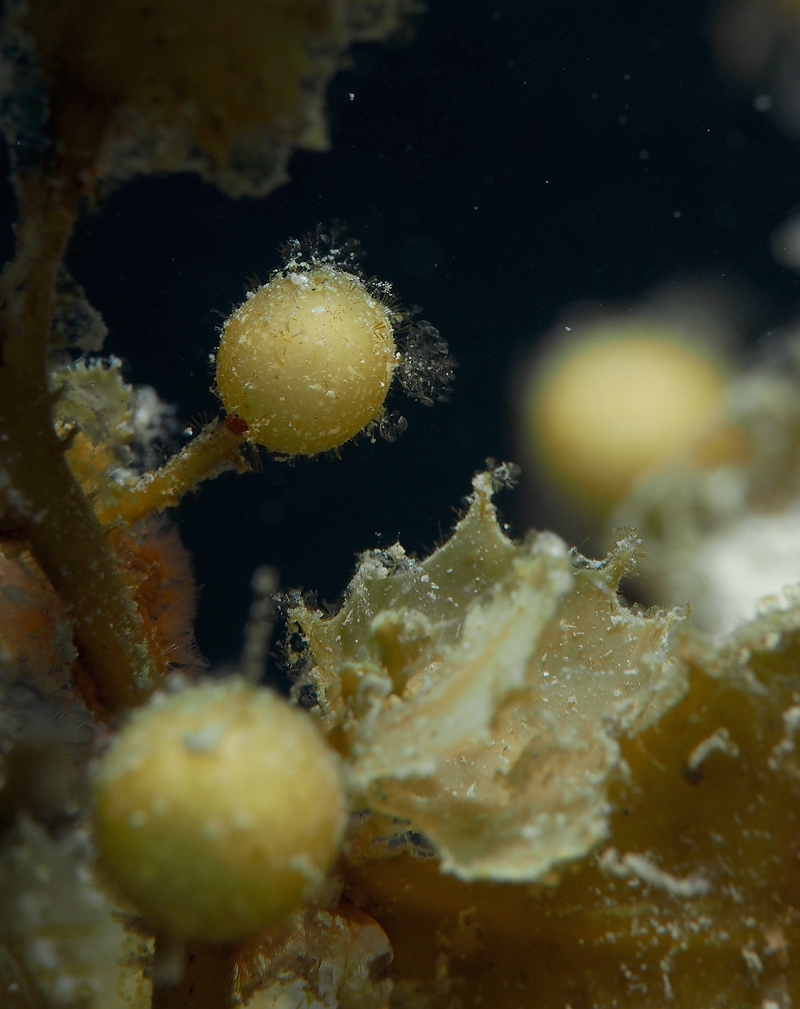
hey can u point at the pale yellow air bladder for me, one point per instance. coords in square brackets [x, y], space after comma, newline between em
[618, 402]
[218, 810]
[307, 360]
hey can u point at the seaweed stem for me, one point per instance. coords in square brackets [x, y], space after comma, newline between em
[205, 981]
[213, 451]
[36, 484]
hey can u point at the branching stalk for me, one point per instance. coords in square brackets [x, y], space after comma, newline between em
[214, 450]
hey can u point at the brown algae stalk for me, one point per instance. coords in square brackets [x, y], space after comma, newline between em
[41, 498]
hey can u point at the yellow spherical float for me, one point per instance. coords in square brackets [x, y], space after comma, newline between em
[619, 401]
[307, 361]
[218, 810]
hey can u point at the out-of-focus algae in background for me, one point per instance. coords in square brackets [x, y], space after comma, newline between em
[504, 163]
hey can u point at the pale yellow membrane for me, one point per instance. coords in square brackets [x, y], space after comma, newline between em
[617, 405]
[307, 361]
[218, 810]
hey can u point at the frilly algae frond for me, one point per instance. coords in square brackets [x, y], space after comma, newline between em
[500, 703]
[480, 693]
[228, 91]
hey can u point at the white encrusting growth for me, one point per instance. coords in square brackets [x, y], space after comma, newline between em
[787, 747]
[718, 742]
[639, 867]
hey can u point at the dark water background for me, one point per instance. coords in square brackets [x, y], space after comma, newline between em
[509, 160]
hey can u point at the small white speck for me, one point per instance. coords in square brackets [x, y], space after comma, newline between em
[205, 738]
[212, 829]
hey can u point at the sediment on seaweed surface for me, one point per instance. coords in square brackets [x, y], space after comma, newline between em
[693, 899]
